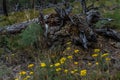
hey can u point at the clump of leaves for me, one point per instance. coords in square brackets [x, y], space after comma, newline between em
[31, 34]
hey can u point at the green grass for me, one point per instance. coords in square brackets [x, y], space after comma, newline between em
[114, 15]
[18, 17]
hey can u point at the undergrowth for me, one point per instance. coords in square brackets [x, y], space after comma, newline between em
[65, 67]
[31, 34]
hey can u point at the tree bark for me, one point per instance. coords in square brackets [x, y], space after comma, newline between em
[33, 3]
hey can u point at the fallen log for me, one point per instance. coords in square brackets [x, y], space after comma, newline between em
[16, 28]
[77, 28]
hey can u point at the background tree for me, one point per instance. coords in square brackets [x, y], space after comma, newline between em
[33, 3]
[5, 8]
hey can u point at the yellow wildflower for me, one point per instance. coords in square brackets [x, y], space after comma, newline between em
[94, 55]
[57, 64]
[96, 50]
[104, 55]
[107, 59]
[97, 63]
[16, 79]
[65, 71]
[76, 63]
[31, 73]
[30, 65]
[26, 78]
[70, 57]
[51, 65]
[43, 65]
[75, 70]
[58, 69]
[22, 73]
[63, 52]
[72, 72]
[69, 43]
[89, 64]
[83, 72]
[76, 51]
[68, 48]
[62, 60]
[13, 54]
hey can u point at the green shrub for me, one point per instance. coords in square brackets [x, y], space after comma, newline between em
[31, 34]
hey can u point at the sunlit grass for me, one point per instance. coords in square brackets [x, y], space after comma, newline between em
[17, 17]
[48, 11]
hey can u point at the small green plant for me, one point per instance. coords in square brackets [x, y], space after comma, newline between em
[114, 15]
[4, 70]
[31, 34]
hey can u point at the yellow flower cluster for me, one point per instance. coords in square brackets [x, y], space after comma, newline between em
[72, 72]
[75, 70]
[26, 78]
[83, 72]
[31, 73]
[62, 60]
[30, 65]
[76, 51]
[16, 79]
[58, 69]
[51, 65]
[68, 48]
[89, 64]
[97, 63]
[43, 65]
[65, 71]
[94, 55]
[68, 43]
[76, 63]
[22, 73]
[107, 59]
[70, 57]
[104, 55]
[96, 50]
[57, 64]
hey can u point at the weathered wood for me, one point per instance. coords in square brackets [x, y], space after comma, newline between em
[110, 33]
[16, 28]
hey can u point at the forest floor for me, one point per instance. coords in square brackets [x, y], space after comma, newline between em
[66, 62]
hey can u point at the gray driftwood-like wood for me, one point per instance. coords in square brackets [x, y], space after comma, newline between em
[16, 28]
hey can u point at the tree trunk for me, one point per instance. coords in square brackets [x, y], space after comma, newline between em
[33, 3]
[5, 8]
